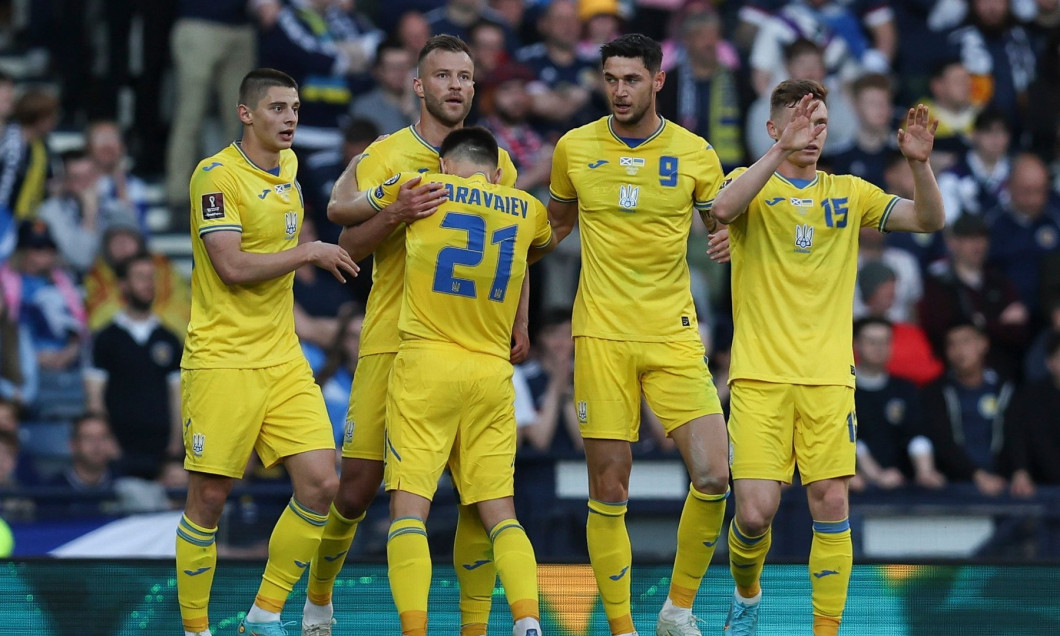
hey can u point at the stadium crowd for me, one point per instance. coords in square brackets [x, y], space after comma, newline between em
[957, 334]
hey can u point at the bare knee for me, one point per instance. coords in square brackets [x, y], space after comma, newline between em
[318, 492]
[207, 495]
[609, 463]
[828, 499]
[711, 480]
[358, 487]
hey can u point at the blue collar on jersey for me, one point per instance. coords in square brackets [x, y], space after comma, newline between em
[238, 143]
[798, 183]
[633, 142]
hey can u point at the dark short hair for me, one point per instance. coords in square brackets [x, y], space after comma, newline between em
[790, 91]
[861, 324]
[358, 130]
[965, 323]
[939, 68]
[442, 42]
[258, 82]
[474, 143]
[634, 45]
[123, 267]
[801, 46]
[872, 80]
[35, 105]
[88, 416]
[75, 154]
[387, 44]
[990, 116]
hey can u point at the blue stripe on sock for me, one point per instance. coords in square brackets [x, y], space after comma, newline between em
[831, 527]
[307, 515]
[202, 543]
[744, 538]
[195, 532]
[501, 527]
[400, 531]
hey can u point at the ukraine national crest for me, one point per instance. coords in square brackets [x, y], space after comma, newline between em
[803, 238]
[628, 195]
[290, 225]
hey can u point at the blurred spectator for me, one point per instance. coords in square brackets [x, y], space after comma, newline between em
[391, 105]
[18, 368]
[335, 377]
[507, 105]
[973, 185]
[550, 375]
[873, 105]
[413, 31]
[925, 248]
[911, 356]
[317, 175]
[135, 375]
[803, 60]
[103, 297]
[909, 285]
[963, 288]
[44, 300]
[950, 102]
[1026, 228]
[892, 446]
[1032, 426]
[77, 216]
[851, 43]
[997, 51]
[965, 412]
[602, 21]
[456, 17]
[92, 452]
[923, 27]
[213, 46]
[489, 48]
[565, 79]
[704, 95]
[513, 12]
[1035, 362]
[320, 45]
[9, 458]
[318, 297]
[25, 162]
[7, 97]
[117, 188]
[1042, 120]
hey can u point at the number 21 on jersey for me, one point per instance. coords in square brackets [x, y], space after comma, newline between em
[446, 282]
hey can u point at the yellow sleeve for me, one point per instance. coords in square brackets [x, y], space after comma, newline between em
[386, 192]
[875, 204]
[542, 228]
[560, 186]
[372, 169]
[214, 199]
[708, 177]
[508, 172]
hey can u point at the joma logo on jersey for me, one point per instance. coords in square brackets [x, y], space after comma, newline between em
[803, 238]
[631, 164]
[198, 442]
[628, 195]
[290, 225]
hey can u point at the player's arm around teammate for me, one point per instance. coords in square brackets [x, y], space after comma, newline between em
[415, 200]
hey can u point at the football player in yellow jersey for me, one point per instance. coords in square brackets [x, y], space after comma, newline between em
[445, 87]
[794, 242]
[451, 399]
[632, 182]
[245, 384]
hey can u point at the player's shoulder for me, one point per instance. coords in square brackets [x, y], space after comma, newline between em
[683, 138]
[220, 162]
[394, 142]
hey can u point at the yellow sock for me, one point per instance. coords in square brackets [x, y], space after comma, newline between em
[517, 567]
[831, 559]
[409, 567]
[331, 555]
[611, 558]
[292, 545]
[476, 571]
[196, 564]
[747, 557]
[697, 535]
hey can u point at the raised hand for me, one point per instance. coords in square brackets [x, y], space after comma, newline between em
[417, 200]
[801, 130]
[918, 137]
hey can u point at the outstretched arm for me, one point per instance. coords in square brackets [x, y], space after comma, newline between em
[925, 213]
[237, 267]
[414, 201]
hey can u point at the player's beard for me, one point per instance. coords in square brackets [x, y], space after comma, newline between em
[436, 108]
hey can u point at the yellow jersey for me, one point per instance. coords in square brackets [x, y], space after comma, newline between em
[245, 326]
[403, 151]
[465, 263]
[635, 204]
[794, 263]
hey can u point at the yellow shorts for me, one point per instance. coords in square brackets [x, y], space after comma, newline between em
[446, 405]
[278, 411]
[366, 417]
[609, 376]
[775, 427]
